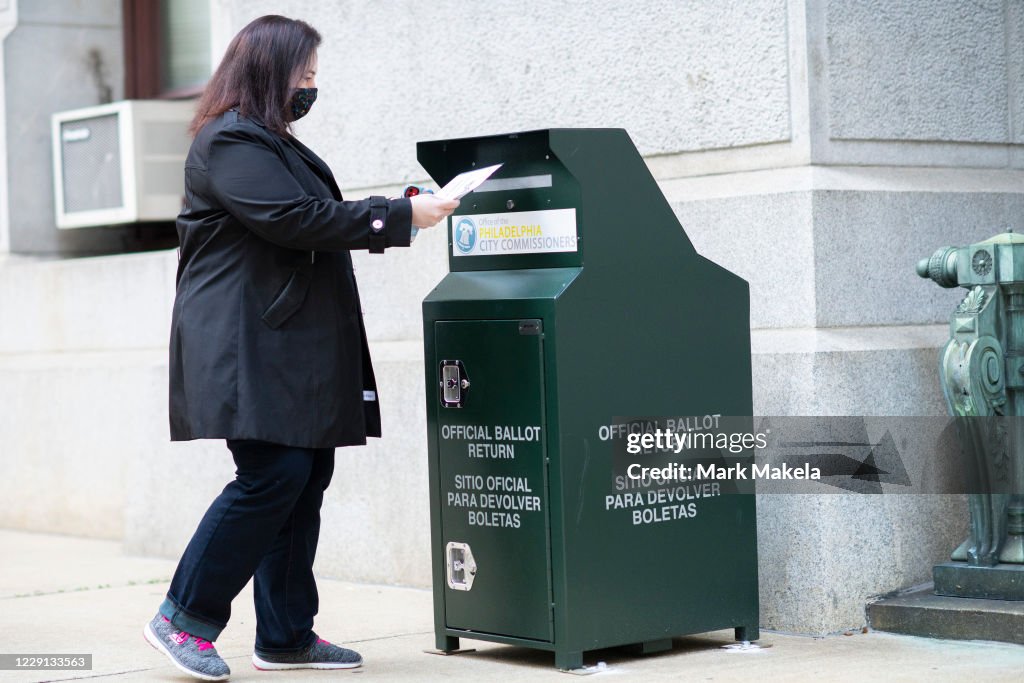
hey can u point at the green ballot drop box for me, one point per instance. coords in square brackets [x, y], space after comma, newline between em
[574, 299]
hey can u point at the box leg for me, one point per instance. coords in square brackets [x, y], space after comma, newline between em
[447, 643]
[649, 647]
[569, 659]
[747, 633]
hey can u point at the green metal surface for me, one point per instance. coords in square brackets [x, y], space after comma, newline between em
[522, 155]
[495, 488]
[632, 323]
[981, 369]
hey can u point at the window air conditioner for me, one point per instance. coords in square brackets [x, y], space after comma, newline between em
[120, 163]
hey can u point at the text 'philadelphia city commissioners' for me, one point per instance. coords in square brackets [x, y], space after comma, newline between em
[522, 232]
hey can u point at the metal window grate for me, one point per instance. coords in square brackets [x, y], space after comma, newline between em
[91, 164]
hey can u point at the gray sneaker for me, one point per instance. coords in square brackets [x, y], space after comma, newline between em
[319, 655]
[192, 655]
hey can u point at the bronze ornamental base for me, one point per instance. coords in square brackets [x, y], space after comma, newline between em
[960, 580]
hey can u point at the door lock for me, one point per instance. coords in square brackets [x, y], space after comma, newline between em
[454, 383]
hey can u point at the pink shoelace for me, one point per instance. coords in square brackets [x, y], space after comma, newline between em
[181, 637]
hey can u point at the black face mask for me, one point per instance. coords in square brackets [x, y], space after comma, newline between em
[302, 101]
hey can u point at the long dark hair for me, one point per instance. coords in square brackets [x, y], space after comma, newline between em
[257, 72]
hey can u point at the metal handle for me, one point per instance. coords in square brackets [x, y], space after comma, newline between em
[461, 567]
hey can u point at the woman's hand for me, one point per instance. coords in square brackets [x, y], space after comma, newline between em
[429, 210]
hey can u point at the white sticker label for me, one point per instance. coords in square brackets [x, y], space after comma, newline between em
[369, 395]
[524, 232]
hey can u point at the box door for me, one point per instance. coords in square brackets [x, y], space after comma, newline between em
[493, 477]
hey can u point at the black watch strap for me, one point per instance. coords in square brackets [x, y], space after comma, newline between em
[378, 222]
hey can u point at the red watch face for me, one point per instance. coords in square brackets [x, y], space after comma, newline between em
[412, 191]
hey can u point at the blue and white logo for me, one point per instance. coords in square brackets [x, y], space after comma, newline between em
[464, 235]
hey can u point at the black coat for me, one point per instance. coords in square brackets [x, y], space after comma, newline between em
[267, 337]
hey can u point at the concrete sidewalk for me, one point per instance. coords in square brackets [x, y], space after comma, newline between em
[63, 595]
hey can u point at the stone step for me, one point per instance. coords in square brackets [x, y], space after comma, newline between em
[922, 613]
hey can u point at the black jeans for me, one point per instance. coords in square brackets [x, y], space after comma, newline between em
[264, 525]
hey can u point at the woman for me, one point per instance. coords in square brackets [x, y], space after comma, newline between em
[268, 349]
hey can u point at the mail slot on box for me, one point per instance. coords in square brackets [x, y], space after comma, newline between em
[574, 299]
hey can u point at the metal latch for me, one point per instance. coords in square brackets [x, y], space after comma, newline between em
[461, 566]
[454, 383]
